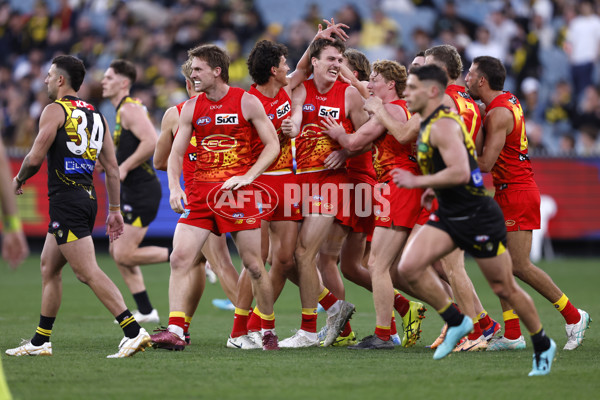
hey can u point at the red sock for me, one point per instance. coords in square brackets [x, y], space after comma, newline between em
[486, 322]
[401, 304]
[512, 329]
[186, 327]
[476, 332]
[383, 332]
[240, 323]
[254, 322]
[309, 321]
[570, 313]
[393, 328]
[327, 299]
[178, 319]
[267, 322]
[347, 330]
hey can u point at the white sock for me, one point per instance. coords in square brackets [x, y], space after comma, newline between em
[176, 330]
[263, 331]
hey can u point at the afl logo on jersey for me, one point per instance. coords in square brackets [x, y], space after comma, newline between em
[218, 143]
[308, 108]
[226, 119]
[271, 116]
[203, 121]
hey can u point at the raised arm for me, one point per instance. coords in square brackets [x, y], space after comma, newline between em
[253, 111]
[303, 68]
[497, 124]
[135, 118]
[108, 159]
[164, 143]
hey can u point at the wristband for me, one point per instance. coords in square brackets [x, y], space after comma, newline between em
[114, 207]
[12, 224]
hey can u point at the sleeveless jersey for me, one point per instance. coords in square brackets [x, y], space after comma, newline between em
[189, 159]
[456, 200]
[467, 108]
[126, 143]
[513, 165]
[73, 154]
[313, 146]
[277, 109]
[388, 153]
[223, 138]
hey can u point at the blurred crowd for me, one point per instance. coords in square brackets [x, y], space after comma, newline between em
[550, 49]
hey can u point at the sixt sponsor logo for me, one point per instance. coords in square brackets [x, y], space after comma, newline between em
[79, 166]
[329, 112]
[283, 109]
[218, 143]
[226, 119]
[308, 108]
[203, 121]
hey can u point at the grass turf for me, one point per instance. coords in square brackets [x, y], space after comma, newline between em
[84, 334]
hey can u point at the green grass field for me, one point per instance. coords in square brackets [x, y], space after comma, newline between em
[84, 334]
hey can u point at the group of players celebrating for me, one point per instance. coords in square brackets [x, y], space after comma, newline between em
[372, 167]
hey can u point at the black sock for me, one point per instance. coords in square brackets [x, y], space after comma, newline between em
[452, 316]
[129, 325]
[43, 331]
[540, 341]
[143, 302]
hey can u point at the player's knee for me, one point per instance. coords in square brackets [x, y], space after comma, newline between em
[502, 290]
[180, 261]
[49, 272]
[255, 270]
[122, 256]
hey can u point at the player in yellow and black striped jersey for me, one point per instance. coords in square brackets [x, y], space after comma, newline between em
[74, 135]
[467, 217]
[135, 140]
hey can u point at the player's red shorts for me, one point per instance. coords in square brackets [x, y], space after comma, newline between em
[521, 208]
[362, 218]
[327, 192]
[402, 208]
[281, 186]
[425, 214]
[223, 211]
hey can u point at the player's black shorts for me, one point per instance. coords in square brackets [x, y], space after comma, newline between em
[72, 215]
[139, 203]
[480, 233]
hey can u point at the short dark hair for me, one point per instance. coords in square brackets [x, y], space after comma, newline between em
[262, 58]
[431, 72]
[73, 68]
[359, 63]
[317, 46]
[492, 69]
[447, 55]
[214, 56]
[124, 68]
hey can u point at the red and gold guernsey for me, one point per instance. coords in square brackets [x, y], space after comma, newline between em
[313, 146]
[467, 108]
[189, 159]
[389, 154]
[223, 138]
[513, 165]
[277, 108]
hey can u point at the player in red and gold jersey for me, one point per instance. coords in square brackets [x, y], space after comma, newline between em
[222, 199]
[320, 97]
[458, 100]
[505, 155]
[215, 248]
[397, 209]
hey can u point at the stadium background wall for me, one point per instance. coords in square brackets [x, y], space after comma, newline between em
[573, 183]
